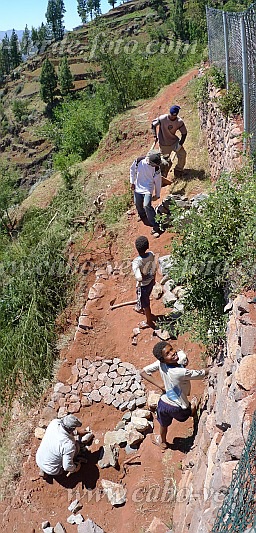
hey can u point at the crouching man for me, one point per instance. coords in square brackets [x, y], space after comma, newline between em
[175, 386]
[58, 449]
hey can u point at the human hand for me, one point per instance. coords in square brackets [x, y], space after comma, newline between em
[78, 466]
[132, 187]
[154, 198]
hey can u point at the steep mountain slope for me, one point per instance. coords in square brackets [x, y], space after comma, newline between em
[33, 500]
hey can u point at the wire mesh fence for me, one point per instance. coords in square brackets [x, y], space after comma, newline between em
[236, 56]
[238, 511]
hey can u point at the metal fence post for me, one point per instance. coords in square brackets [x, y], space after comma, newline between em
[225, 29]
[246, 99]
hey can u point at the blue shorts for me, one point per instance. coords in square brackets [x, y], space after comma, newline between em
[166, 413]
[143, 294]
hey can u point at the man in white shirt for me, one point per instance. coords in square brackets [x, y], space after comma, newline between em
[169, 142]
[175, 386]
[58, 448]
[145, 176]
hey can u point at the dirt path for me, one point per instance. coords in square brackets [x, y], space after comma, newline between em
[151, 482]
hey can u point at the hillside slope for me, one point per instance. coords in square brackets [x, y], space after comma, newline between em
[151, 481]
[21, 143]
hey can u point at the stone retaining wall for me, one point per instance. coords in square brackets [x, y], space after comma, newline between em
[223, 135]
[223, 427]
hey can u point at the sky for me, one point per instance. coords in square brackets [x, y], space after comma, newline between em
[15, 14]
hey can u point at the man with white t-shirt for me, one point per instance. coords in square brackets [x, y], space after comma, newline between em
[175, 386]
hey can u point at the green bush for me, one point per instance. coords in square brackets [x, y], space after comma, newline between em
[20, 110]
[217, 77]
[201, 93]
[230, 103]
[215, 252]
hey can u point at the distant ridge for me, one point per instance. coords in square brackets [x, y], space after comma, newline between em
[9, 32]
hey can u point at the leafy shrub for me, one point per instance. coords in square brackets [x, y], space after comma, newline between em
[230, 103]
[20, 110]
[201, 89]
[77, 126]
[216, 251]
[217, 77]
[64, 163]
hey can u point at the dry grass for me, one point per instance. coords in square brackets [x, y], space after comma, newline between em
[13, 451]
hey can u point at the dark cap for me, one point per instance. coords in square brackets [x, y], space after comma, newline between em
[174, 110]
[154, 157]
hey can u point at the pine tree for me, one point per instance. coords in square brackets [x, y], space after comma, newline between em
[112, 3]
[48, 81]
[6, 57]
[82, 10]
[25, 41]
[65, 77]
[15, 55]
[34, 36]
[54, 16]
[42, 35]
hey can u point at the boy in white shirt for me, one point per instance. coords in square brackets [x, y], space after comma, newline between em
[175, 386]
[144, 269]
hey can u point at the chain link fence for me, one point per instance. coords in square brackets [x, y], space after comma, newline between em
[232, 47]
[238, 511]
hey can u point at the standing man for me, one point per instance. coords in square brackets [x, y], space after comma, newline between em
[175, 386]
[57, 451]
[145, 176]
[168, 140]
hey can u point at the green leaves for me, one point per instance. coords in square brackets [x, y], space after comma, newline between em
[216, 250]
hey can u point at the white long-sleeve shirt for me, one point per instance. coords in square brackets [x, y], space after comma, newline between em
[176, 381]
[56, 450]
[145, 177]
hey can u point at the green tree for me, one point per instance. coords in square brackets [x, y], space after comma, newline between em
[1, 67]
[65, 77]
[15, 55]
[34, 36]
[196, 20]
[54, 16]
[179, 22]
[42, 35]
[6, 58]
[25, 41]
[82, 10]
[48, 81]
[112, 3]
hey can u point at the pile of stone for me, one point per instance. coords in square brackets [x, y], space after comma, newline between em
[129, 432]
[111, 381]
[83, 526]
[180, 201]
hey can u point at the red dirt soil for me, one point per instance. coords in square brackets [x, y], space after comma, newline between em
[151, 481]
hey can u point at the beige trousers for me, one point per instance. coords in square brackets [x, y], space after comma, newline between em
[166, 152]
